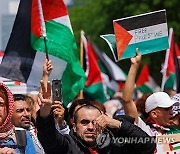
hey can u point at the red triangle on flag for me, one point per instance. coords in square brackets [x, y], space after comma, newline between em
[94, 74]
[171, 64]
[17, 83]
[51, 9]
[144, 76]
[177, 50]
[121, 85]
[1, 54]
[122, 39]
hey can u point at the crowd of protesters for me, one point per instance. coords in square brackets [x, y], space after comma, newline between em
[46, 126]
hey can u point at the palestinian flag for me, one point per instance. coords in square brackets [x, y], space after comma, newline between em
[147, 32]
[110, 39]
[177, 66]
[113, 76]
[17, 87]
[169, 79]
[145, 82]
[121, 42]
[174, 146]
[19, 56]
[48, 20]
[112, 69]
[93, 89]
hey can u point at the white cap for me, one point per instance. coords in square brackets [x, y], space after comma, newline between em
[158, 99]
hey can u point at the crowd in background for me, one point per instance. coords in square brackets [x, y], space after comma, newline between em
[50, 127]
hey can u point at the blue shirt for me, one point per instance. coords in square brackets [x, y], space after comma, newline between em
[30, 149]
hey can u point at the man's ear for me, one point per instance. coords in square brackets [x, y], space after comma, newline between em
[74, 126]
[154, 114]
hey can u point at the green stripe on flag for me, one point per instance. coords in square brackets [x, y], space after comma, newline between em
[176, 148]
[11, 85]
[170, 81]
[110, 92]
[96, 91]
[61, 43]
[146, 47]
[102, 67]
[145, 89]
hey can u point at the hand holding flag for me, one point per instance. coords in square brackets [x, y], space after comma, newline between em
[24, 64]
[136, 60]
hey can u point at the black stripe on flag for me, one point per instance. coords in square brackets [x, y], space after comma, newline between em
[102, 59]
[144, 20]
[175, 143]
[19, 55]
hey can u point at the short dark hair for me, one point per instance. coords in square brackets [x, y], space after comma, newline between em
[18, 97]
[75, 103]
[86, 106]
[99, 106]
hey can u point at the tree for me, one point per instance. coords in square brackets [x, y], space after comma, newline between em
[95, 18]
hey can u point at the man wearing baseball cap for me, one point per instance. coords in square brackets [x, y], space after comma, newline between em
[159, 107]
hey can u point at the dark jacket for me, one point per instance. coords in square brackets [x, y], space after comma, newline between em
[53, 142]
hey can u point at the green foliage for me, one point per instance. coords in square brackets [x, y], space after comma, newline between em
[96, 17]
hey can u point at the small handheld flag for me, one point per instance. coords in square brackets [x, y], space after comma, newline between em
[148, 32]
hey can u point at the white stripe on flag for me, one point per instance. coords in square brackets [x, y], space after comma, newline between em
[113, 85]
[148, 33]
[41, 18]
[64, 20]
[105, 81]
[84, 40]
[152, 85]
[117, 72]
[22, 89]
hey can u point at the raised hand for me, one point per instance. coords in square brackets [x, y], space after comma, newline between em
[45, 99]
[128, 103]
[58, 111]
[104, 121]
[136, 60]
[47, 67]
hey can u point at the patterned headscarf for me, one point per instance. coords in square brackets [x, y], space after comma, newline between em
[7, 127]
[176, 106]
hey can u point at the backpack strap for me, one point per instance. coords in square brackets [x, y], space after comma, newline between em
[21, 140]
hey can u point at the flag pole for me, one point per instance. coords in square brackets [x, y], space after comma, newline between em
[164, 70]
[43, 27]
[46, 50]
[81, 59]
